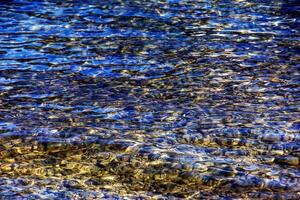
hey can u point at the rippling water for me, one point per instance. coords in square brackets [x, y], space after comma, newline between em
[140, 99]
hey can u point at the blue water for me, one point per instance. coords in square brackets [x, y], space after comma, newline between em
[139, 99]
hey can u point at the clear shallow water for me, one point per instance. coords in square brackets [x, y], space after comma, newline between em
[149, 99]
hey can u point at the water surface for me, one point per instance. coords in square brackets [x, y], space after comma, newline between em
[139, 99]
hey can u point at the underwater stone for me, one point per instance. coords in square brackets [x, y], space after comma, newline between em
[287, 160]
